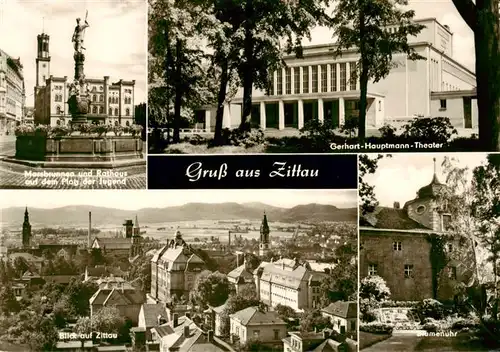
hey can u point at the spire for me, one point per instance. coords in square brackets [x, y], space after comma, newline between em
[435, 179]
[136, 225]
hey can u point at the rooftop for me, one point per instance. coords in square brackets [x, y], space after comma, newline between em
[390, 218]
[343, 309]
[254, 316]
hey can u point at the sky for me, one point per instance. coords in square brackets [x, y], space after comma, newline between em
[116, 40]
[137, 199]
[398, 178]
[445, 13]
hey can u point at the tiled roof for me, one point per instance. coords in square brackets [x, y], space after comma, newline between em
[254, 316]
[117, 296]
[343, 309]
[114, 243]
[285, 272]
[390, 218]
[241, 272]
[104, 271]
[151, 313]
[328, 345]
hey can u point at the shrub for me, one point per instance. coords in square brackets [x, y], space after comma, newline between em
[85, 128]
[431, 325]
[376, 328]
[430, 308]
[101, 129]
[196, 139]
[434, 129]
[243, 138]
[135, 130]
[24, 130]
[489, 332]
[367, 309]
[118, 130]
[388, 132]
[465, 324]
[399, 304]
[374, 288]
[409, 325]
[42, 130]
[350, 126]
[60, 131]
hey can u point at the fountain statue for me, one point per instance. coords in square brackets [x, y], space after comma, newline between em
[79, 99]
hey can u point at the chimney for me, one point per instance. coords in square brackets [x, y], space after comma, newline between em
[186, 331]
[90, 230]
[326, 334]
[175, 319]
[397, 205]
[210, 335]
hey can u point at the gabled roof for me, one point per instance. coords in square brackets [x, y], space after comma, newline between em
[150, 312]
[285, 272]
[243, 272]
[343, 309]
[113, 243]
[390, 218]
[254, 316]
[118, 296]
[329, 345]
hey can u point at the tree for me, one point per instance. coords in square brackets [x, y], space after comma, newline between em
[8, 302]
[374, 288]
[107, 319]
[20, 266]
[83, 327]
[79, 294]
[363, 25]
[234, 304]
[140, 117]
[248, 291]
[141, 269]
[486, 209]
[483, 19]
[314, 320]
[45, 337]
[367, 165]
[265, 24]
[212, 289]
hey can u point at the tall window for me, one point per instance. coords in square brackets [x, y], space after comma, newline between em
[288, 80]
[324, 78]
[94, 98]
[276, 334]
[314, 79]
[116, 111]
[58, 110]
[397, 246]
[352, 80]
[408, 271]
[296, 80]
[343, 76]
[101, 109]
[101, 98]
[110, 112]
[94, 109]
[333, 78]
[270, 88]
[372, 269]
[109, 100]
[305, 79]
[127, 112]
[446, 222]
[279, 88]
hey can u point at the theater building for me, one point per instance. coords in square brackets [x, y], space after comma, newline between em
[110, 102]
[319, 86]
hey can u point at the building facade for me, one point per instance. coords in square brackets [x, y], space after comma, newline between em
[174, 269]
[396, 243]
[12, 93]
[343, 316]
[319, 86]
[288, 282]
[110, 102]
[252, 323]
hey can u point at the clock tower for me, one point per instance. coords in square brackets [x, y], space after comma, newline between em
[42, 60]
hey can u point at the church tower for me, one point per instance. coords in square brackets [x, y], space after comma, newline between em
[137, 229]
[26, 230]
[42, 60]
[264, 237]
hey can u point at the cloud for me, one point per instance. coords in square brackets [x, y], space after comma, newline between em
[115, 41]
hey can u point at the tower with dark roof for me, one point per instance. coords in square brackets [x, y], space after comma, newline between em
[264, 237]
[26, 229]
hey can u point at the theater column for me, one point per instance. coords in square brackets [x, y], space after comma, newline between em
[262, 115]
[207, 120]
[321, 113]
[281, 115]
[341, 112]
[300, 106]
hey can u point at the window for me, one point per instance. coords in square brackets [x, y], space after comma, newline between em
[279, 88]
[276, 334]
[94, 97]
[288, 80]
[101, 98]
[58, 110]
[396, 246]
[446, 222]
[372, 269]
[116, 111]
[343, 77]
[333, 78]
[353, 325]
[408, 271]
[109, 100]
[116, 123]
[449, 247]
[353, 79]
[127, 123]
[380, 105]
[443, 104]
[94, 109]
[324, 78]
[256, 334]
[101, 109]
[314, 79]
[127, 112]
[305, 80]
[110, 112]
[421, 209]
[452, 273]
[58, 122]
[296, 78]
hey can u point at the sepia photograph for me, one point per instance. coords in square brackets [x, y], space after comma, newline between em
[321, 76]
[73, 94]
[172, 270]
[429, 232]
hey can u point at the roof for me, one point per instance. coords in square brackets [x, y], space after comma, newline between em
[26, 256]
[432, 189]
[59, 279]
[328, 345]
[343, 309]
[163, 330]
[113, 243]
[219, 309]
[243, 272]
[117, 296]
[390, 218]
[285, 272]
[151, 313]
[104, 271]
[254, 316]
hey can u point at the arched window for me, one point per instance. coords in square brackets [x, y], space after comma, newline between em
[101, 98]
[116, 111]
[109, 100]
[116, 123]
[94, 98]
[58, 110]
[101, 110]
[94, 109]
[127, 112]
[58, 122]
[127, 123]
[110, 112]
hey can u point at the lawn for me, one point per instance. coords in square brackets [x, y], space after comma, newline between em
[367, 339]
[458, 343]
